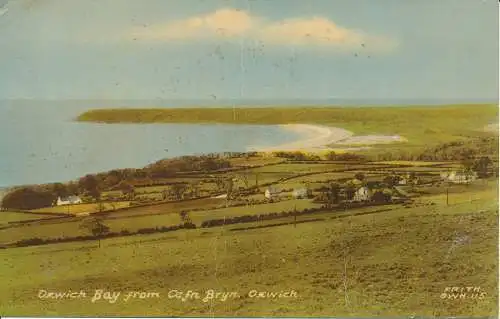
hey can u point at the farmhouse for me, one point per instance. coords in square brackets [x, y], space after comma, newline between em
[460, 177]
[271, 192]
[70, 200]
[362, 194]
[299, 193]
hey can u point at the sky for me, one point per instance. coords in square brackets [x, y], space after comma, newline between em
[249, 49]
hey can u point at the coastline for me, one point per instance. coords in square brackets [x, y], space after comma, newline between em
[320, 138]
[315, 138]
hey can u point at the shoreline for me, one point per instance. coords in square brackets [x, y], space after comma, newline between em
[320, 138]
[313, 138]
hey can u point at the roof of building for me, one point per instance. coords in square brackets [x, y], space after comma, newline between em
[69, 198]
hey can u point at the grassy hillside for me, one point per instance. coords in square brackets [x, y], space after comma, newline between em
[419, 124]
[391, 263]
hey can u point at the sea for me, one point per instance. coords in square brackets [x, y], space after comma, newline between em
[40, 141]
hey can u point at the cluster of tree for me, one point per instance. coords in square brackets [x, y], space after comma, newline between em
[27, 198]
[38, 196]
[330, 195]
[452, 151]
[234, 154]
[331, 156]
[382, 196]
[482, 166]
[185, 218]
[170, 167]
[92, 185]
[297, 156]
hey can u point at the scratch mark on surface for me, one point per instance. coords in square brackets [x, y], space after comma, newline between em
[346, 294]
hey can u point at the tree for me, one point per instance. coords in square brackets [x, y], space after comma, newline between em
[229, 187]
[127, 189]
[71, 188]
[178, 190]
[28, 198]
[378, 197]
[60, 190]
[219, 182]
[244, 178]
[195, 189]
[382, 196]
[350, 190]
[90, 185]
[331, 156]
[185, 218]
[110, 181]
[95, 227]
[333, 194]
[482, 166]
[391, 180]
[360, 176]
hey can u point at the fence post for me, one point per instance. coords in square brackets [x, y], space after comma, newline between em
[447, 195]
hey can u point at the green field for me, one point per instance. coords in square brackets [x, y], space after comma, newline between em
[442, 124]
[17, 216]
[291, 168]
[42, 230]
[83, 208]
[135, 223]
[382, 264]
[200, 216]
[413, 163]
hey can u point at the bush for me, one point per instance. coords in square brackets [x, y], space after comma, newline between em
[30, 242]
[188, 225]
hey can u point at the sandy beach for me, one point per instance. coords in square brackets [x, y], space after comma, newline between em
[320, 138]
[492, 128]
[316, 137]
[372, 139]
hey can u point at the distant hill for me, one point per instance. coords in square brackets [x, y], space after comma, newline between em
[420, 125]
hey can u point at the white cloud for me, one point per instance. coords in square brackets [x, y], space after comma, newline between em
[221, 23]
[309, 31]
[231, 23]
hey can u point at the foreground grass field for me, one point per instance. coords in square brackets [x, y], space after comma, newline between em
[385, 264]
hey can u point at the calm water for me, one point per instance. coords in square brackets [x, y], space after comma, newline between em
[41, 143]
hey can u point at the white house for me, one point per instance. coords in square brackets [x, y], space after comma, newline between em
[70, 200]
[220, 196]
[362, 194]
[300, 193]
[83, 214]
[460, 177]
[271, 192]
[444, 175]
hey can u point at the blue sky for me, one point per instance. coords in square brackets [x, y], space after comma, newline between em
[262, 49]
